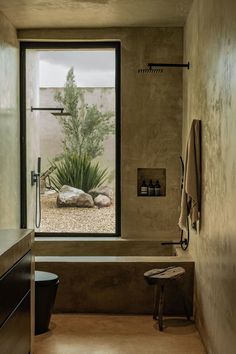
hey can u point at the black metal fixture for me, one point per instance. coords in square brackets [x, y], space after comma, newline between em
[150, 71]
[184, 241]
[156, 68]
[35, 179]
[90, 45]
[59, 113]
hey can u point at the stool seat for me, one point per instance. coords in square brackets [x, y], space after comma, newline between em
[154, 275]
[160, 277]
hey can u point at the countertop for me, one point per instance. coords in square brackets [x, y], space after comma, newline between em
[14, 244]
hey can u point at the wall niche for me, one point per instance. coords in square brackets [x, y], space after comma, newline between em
[151, 182]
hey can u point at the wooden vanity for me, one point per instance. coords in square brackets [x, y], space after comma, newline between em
[16, 291]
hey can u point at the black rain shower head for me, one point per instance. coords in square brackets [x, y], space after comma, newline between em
[60, 114]
[150, 71]
[155, 68]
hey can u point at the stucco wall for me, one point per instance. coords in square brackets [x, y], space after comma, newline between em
[9, 127]
[151, 121]
[209, 95]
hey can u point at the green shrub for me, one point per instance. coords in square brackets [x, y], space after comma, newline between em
[77, 171]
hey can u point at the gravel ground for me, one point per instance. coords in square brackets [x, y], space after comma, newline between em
[69, 219]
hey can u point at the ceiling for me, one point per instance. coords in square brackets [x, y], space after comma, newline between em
[95, 13]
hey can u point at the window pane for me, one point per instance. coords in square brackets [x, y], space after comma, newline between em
[77, 147]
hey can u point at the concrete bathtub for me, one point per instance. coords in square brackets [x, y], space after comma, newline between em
[106, 276]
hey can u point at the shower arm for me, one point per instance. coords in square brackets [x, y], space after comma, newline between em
[59, 113]
[46, 109]
[153, 66]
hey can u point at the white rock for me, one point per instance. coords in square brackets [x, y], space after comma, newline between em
[104, 190]
[74, 197]
[102, 201]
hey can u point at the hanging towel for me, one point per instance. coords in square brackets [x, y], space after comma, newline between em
[191, 192]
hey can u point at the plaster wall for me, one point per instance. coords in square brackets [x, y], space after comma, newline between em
[107, 284]
[151, 121]
[209, 95]
[9, 126]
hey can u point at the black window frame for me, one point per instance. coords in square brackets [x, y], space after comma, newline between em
[23, 144]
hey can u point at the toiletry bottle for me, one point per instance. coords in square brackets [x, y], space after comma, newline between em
[143, 189]
[157, 189]
[150, 188]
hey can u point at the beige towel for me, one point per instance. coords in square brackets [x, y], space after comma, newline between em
[191, 192]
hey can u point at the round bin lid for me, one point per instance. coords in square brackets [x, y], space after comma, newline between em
[45, 278]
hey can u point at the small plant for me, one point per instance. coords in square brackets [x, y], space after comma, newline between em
[77, 171]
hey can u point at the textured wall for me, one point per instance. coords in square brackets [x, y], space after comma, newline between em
[9, 127]
[108, 286]
[96, 13]
[151, 121]
[209, 95]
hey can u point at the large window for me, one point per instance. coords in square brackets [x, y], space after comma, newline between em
[70, 112]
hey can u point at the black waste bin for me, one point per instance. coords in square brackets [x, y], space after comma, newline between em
[45, 294]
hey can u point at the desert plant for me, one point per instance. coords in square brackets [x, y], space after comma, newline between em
[87, 127]
[77, 171]
[95, 128]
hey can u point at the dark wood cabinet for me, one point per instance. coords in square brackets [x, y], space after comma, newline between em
[15, 332]
[15, 308]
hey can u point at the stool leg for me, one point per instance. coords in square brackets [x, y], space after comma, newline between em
[160, 311]
[185, 306]
[155, 303]
[184, 301]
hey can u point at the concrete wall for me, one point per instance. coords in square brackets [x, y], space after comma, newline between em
[104, 285]
[151, 121]
[209, 95]
[9, 126]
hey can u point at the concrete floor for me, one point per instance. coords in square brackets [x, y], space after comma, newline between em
[108, 334]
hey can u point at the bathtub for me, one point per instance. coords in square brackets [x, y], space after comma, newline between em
[106, 275]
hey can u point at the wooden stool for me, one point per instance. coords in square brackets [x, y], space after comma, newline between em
[161, 277]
